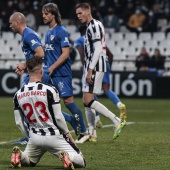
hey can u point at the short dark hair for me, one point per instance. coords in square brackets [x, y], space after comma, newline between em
[53, 9]
[83, 5]
[34, 63]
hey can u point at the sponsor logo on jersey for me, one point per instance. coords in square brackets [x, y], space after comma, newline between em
[66, 40]
[49, 47]
[51, 37]
[33, 42]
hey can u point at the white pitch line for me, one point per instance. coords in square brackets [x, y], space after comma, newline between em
[104, 126]
[9, 141]
[72, 131]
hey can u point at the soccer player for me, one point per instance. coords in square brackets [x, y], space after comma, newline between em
[79, 44]
[59, 63]
[48, 131]
[31, 46]
[95, 67]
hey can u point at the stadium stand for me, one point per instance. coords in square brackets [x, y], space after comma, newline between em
[124, 45]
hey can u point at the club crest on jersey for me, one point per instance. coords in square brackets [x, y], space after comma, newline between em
[51, 37]
[60, 85]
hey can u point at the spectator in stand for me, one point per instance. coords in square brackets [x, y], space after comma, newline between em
[143, 60]
[96, 13]
[6, 13]
[128, 11]
[157, 62]
[30, 19]
[136, 21]
[151, 22]
[111, 21]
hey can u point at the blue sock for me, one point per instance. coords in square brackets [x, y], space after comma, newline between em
[95, 98]
[74, 109]
[113, 97]
[67, 117]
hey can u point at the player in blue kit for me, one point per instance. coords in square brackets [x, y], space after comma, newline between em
[31, 46]
[59, 63]
[79, 44]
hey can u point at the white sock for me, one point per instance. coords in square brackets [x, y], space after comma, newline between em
[105, 112]
[90, 116]
[97, 119]
[119, 104]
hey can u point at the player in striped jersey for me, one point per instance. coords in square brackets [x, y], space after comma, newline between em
[48, 131]
[95, 67]
[59, 63]
[79, 44]
[31, 46]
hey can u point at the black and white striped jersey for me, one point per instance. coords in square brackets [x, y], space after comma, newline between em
[35, 101]
[95, 32]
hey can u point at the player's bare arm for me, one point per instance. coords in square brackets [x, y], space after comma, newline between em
[63, 57]
[39, 52]
[81, 52]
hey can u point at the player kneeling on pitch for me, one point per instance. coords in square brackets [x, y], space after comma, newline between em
[48, 131]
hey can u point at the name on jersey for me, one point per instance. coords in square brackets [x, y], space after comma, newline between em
[31, 93]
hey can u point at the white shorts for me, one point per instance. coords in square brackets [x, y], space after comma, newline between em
[38, 145]
[96, 87]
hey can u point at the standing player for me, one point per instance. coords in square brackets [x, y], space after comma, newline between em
[31, 46]
[79, 44]
[40, 105]
[59, 63]
[95, 66]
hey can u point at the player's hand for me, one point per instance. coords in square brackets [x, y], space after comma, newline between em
[19, 71]
[51, 69]
[20, 68]
[89, 76]
[71, 138]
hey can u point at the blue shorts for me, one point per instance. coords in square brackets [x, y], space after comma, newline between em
[63, 85]
[106, 78]
[46, 78]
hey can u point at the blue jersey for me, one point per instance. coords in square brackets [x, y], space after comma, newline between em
[79, 42]
[55, 40]
[30, 41]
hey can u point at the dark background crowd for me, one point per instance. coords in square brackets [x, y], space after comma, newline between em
[136, 15]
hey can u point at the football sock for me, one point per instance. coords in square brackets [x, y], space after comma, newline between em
[95, 98]
[90, 116]
[105, 112]
[74, 109]
[67, 117]
[113, 96]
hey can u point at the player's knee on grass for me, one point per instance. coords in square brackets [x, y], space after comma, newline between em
[32, 164]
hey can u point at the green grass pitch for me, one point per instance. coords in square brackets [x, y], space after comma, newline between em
[144, 144]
